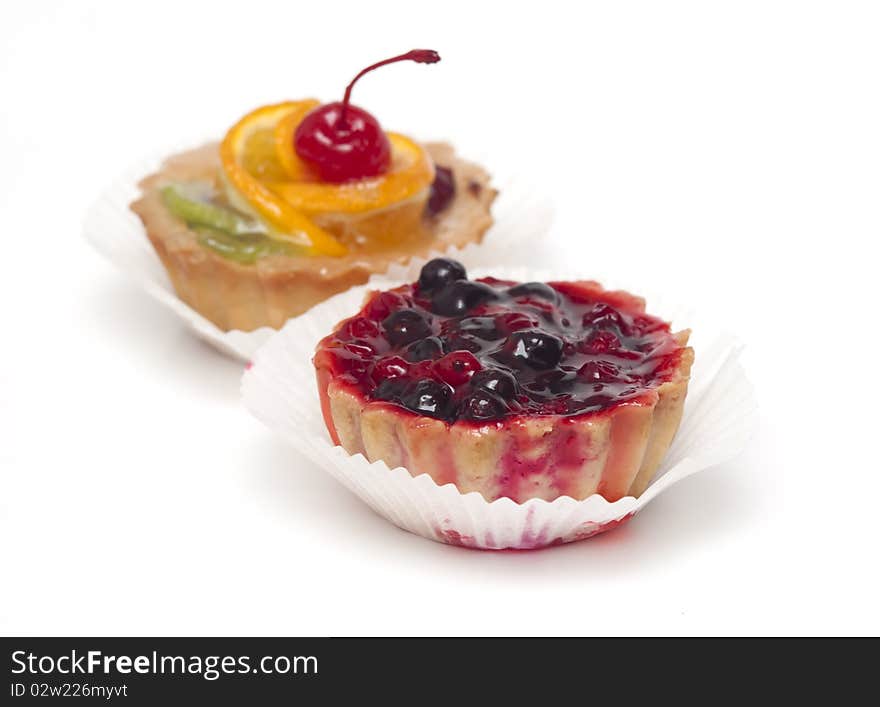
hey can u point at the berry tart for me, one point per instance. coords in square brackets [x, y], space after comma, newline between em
[301, 201]
[518, 390]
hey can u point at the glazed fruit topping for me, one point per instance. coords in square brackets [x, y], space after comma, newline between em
[442, 190]
[221, 228]
[389, 367]
[428, 397]
[495, 381]
[456, 368]
[425, 349]
[342, 142]
[438, 273]
[601, 341]
[405, 326]
[482, 405]
[482, 350]
[532, 348]
[460, 297]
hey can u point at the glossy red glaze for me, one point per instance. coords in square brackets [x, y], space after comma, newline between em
[571, 347]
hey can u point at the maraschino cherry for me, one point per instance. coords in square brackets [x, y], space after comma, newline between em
[343, 142]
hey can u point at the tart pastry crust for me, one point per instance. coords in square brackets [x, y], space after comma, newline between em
[615, 452]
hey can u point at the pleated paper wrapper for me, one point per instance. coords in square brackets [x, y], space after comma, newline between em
[280, 389]
[117, 233]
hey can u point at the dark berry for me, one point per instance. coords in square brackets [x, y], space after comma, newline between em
[442, 190]
[534, 348]
[457, 367]
[534, 289]
[457, 342]
[484, 328]
[390, 389]
[459, 297]
[404, 326]
[497, 381]
[424, 349]
[439, 272]
[556, 381]
[482, 405]
[428, 397]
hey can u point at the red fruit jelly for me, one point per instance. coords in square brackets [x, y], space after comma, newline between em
[488, 349]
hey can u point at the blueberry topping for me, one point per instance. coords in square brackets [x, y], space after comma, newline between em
[555, 381]
[484, 328]
[456, 342]
[461, 296]
[496, 381]
[390, 389]
[442, 190]
[428, 397]
[404, 326]
[534, 289]
[439, 272]
[534, 348]
[482, 405]
[424, 349]
[457, 349]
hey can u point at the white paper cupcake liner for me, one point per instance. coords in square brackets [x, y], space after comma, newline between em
[279, 388]
[118, 234]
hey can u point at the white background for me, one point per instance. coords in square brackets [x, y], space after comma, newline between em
[730, 151]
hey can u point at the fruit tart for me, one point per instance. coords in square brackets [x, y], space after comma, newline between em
[510, 389]
[301, 201]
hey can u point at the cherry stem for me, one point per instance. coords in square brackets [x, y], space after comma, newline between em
[422, 56]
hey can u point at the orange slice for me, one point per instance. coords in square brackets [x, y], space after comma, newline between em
[294, 168]
[410, 173]
[249, 156]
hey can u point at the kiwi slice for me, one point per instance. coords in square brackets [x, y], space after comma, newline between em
[188, 204]
[244, 248]
[221, 229]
